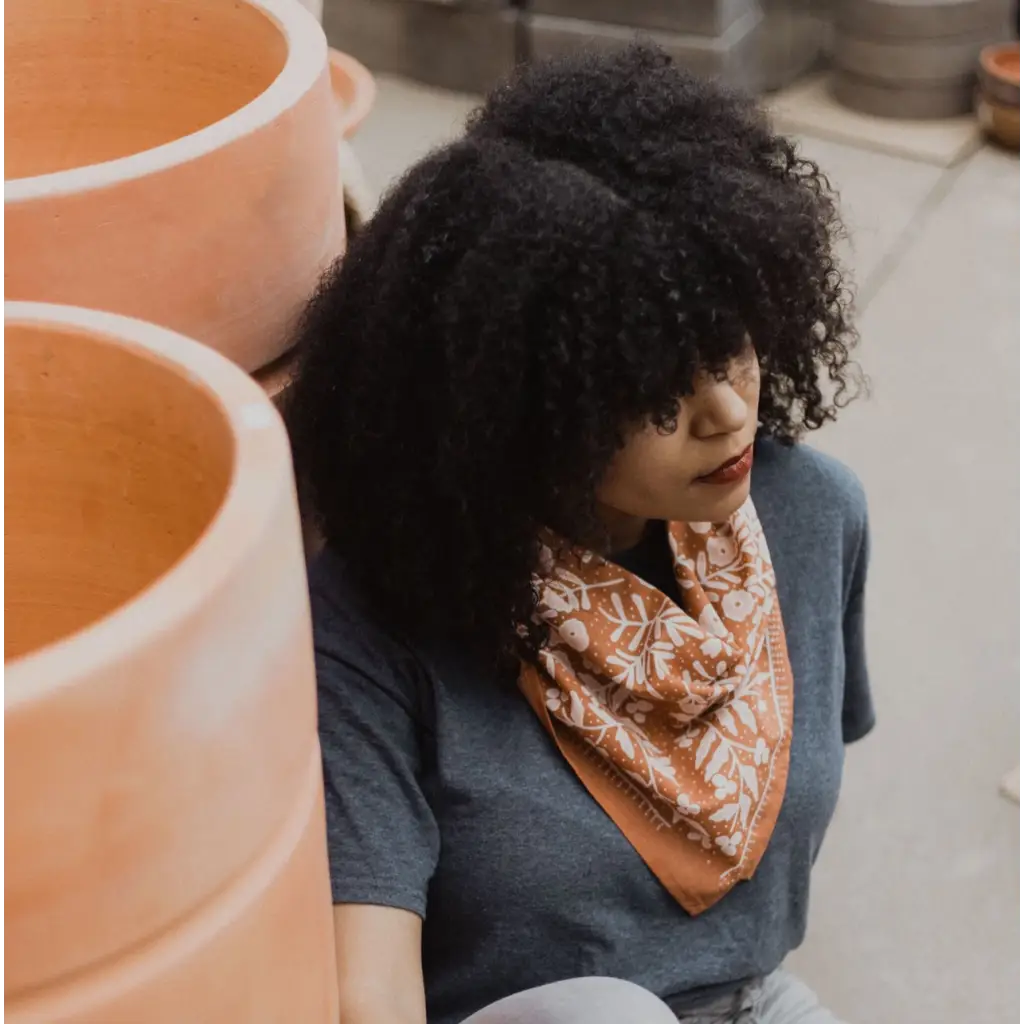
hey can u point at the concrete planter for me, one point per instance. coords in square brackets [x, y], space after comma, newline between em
[164, 851]
[916, 101]
[472, 45]
[911, 58]
[691, 17]
[463, 47]
[906, 62]
[921, 20]
[731, 56]
[176, 162]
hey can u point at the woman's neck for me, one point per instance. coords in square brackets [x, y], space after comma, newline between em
[624, 531]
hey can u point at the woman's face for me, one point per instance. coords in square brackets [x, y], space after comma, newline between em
[698, 473]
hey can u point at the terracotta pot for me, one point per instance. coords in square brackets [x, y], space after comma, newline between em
[172, 161]
[277, 378]
[165, 852]
[354, 94]
[1000, 123]
[999, 73]
[354, 91]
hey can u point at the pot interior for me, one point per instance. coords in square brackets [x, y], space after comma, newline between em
[116, 464]
[93, 80]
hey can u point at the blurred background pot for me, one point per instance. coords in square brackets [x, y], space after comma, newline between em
[165, 856]
[999, 73]
[999, 122]
[176, 162]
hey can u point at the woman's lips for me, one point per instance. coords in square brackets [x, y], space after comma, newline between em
[731, 471]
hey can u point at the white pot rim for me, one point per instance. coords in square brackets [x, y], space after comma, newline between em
[307, 58]
[260, 470]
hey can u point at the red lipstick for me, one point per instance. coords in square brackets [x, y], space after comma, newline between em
[731, 471]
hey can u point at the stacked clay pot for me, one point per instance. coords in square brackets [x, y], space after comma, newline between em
[354, 93]
[165, 850]
[911, 58]
[999, 93]
[172, 161]
[165, 855]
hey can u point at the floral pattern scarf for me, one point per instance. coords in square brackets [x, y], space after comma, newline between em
[677, 717]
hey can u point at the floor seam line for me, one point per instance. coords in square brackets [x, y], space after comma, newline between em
[891, 261]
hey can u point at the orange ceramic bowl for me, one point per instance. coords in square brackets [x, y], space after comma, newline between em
[175, 162]
[164, 848]
[1000, 123]
[999, 73]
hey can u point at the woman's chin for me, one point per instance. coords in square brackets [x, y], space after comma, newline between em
[715, 503]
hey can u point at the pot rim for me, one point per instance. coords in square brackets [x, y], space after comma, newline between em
[261, 467]
[306, 60]
[989, 60]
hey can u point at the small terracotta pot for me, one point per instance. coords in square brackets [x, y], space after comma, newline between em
[277, 378]
[176, 162]
[354, 91]
[164, 851]
[999, 73]
[1000, 123]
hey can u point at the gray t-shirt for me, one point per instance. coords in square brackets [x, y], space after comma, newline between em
[446, 797]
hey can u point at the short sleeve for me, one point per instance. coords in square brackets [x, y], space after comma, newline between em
[858, 706]
[381, 833]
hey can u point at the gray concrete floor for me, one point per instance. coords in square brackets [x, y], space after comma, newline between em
[915, 904]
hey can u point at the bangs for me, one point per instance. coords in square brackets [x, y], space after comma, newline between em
[672, 315]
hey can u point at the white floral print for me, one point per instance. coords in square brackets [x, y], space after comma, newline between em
[574, 633]
[730, 844]
[711, 623]
[737, 605]
[686, 805]
[721, 551]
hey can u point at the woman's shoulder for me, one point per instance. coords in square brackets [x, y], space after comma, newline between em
[814, 513]
[347, 632]
[801, 480]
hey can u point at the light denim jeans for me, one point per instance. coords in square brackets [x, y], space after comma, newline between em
[778, 999]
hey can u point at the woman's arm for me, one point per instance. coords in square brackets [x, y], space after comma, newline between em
[380, 972]
[383, 842]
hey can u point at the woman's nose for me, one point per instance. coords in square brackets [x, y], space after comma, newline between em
[721, 408]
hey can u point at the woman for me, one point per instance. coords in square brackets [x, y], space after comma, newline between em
[564, 733]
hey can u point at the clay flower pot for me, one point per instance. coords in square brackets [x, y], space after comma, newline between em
[175, 162]
[165, 852]
[998, 122]
[999, 74]
[354, 92]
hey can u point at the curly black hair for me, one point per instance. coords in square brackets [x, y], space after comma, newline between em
[608, 226]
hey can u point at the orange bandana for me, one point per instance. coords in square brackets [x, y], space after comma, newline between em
[676, 717]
